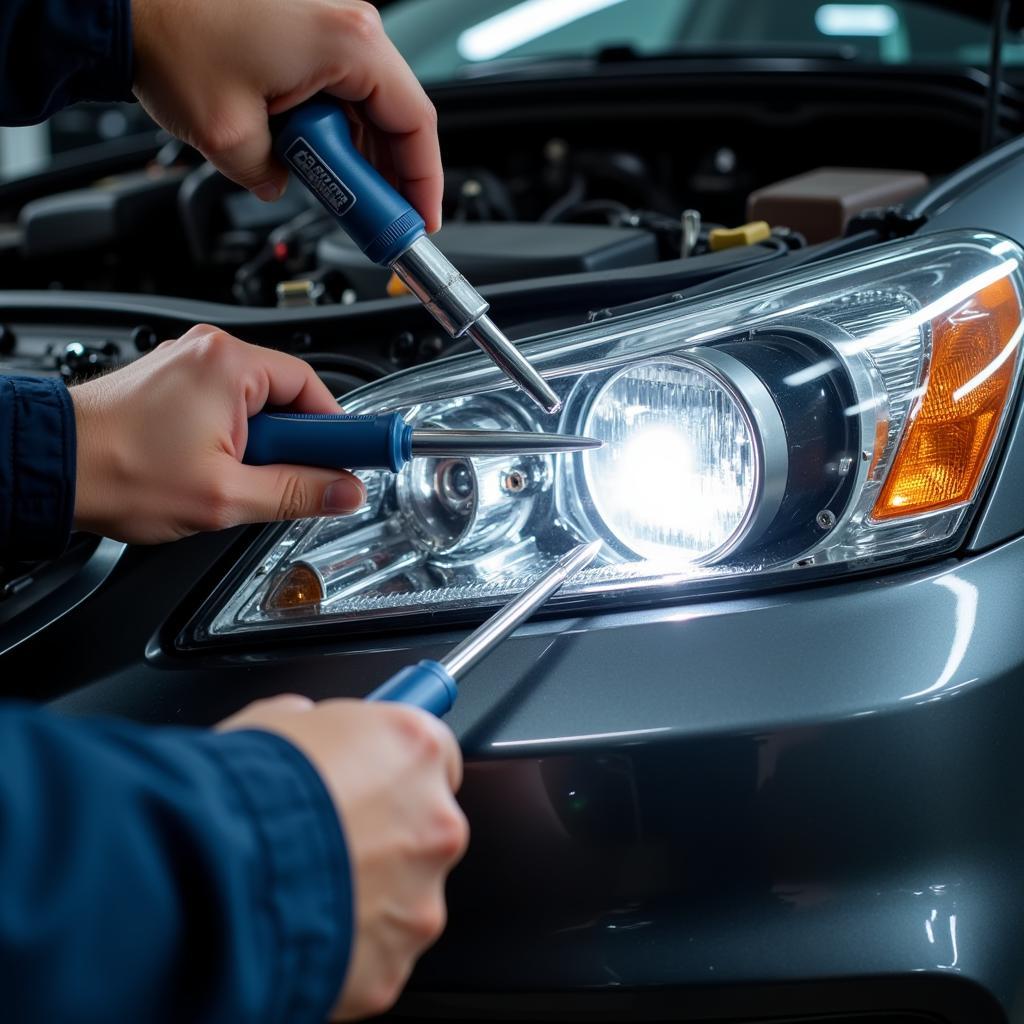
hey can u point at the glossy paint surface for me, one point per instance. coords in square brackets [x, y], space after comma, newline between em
[819, 784]
[822, 786]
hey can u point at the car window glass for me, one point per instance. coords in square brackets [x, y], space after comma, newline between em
[445, 38]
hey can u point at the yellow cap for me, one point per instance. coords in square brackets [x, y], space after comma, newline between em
[746, 234]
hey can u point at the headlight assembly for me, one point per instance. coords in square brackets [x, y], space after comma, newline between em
[821, 422]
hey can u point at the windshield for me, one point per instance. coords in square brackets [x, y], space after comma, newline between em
[445, 39]
[450, 39]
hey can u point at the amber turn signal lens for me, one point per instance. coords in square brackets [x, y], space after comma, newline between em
[299, 587]
[947, 444]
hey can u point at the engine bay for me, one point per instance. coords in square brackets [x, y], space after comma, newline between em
[600, 177]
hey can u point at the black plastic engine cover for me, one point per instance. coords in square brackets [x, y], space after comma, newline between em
[493, 252]
[112, 211]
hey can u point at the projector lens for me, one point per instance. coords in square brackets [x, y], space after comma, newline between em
[678, 476]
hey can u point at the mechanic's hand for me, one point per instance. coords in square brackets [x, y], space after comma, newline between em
[210, 71]
[391, 770]
[160, 442]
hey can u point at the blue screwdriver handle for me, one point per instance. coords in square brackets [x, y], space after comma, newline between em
[334, 441]
[427, 684]
[315, 141]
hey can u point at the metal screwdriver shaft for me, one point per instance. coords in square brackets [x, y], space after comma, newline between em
[315, 141]
[461, 658]
[504, 354]
[433, 685]
[470, 443]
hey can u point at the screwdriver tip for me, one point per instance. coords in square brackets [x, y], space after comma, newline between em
[587, 553]
[555, 443]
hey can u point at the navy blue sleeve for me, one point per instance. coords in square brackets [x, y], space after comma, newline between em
[54, 52]
[165, 875]
[37, 467]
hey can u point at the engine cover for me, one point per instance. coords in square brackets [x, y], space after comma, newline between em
[487, 253]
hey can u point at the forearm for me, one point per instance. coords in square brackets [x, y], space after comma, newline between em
[54, 52]
[165, 875]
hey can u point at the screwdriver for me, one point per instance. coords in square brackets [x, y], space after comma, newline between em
[433, 685]
[341, 441]
[314, 140]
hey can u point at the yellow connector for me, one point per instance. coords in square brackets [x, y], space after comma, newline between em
[745, 234]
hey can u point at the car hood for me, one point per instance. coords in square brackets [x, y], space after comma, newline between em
[977, 9]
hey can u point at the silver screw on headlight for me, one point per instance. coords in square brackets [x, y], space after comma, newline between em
[514, 482]
[825, 519]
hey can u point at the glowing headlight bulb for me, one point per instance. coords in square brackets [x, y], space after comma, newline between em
[682, 473]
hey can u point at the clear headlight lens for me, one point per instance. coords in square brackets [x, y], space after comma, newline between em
[827, 420]
[679, 475]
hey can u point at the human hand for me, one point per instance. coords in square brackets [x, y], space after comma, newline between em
[391, 771]
[210, 72]
[160, 442]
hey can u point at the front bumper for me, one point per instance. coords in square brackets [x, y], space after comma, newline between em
[809, 787]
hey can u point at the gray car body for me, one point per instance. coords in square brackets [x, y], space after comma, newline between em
[756, 807]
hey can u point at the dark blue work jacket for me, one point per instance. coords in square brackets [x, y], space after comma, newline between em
[145, 874]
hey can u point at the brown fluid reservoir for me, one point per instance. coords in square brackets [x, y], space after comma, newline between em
[820, 203]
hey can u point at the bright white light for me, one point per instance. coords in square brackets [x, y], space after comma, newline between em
[657, 470]
[856, 19]
[522, 24]
[676, 476]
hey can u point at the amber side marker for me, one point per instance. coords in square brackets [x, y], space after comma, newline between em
[975, 350]
[298, 587]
